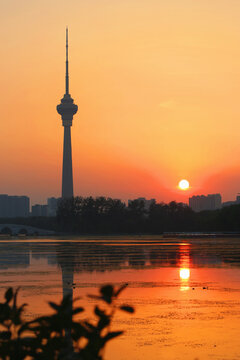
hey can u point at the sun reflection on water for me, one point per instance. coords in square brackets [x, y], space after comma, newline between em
[184, 274]
[184, 266]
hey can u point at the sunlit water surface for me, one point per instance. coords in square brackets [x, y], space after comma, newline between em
[185, 292]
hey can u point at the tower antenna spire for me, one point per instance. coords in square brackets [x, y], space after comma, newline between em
[67, 75]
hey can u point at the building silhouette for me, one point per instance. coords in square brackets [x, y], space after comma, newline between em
[39, 210]
[201, 202]
[52, 204]
[14, 206]
[233, 202]
[67, 109]
[49, 209]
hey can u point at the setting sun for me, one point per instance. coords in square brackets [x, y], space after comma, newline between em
[183, 184]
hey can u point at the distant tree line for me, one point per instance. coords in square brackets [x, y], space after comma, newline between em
[103, 215]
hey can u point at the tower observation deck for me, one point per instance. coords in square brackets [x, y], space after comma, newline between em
[67, 109]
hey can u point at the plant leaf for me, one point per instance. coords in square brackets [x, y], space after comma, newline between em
[112, 335]
[9, 295]
[77, 310]
[127, 308]
[53, 305]
[107, 292]
[121, 288]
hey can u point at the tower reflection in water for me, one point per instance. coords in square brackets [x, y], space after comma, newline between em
[66, 261]
[184, 266]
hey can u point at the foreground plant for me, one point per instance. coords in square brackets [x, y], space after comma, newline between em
[58, 336]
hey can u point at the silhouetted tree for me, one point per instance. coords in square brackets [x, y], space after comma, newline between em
[68, 213]
[103, 215]
[228, 219]
[136, 220]
[89, 215]
[170, 217]
[158, 218]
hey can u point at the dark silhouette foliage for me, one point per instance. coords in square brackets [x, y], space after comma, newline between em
[89, 215]
[101, 215]
[105, 215]
[58, 336]
[229, 218]
[170, 217]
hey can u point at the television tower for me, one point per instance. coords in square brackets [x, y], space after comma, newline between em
[67, 109]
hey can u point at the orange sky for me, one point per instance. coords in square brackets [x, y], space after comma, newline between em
[157, 84]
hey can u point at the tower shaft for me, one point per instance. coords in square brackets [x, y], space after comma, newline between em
[67, 109]
[67, 174]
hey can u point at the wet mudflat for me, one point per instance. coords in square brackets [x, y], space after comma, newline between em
[186, 292]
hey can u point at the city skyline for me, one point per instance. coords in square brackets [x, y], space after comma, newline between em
[158, 98]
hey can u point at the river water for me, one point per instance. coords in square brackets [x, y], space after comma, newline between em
[186, 292]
